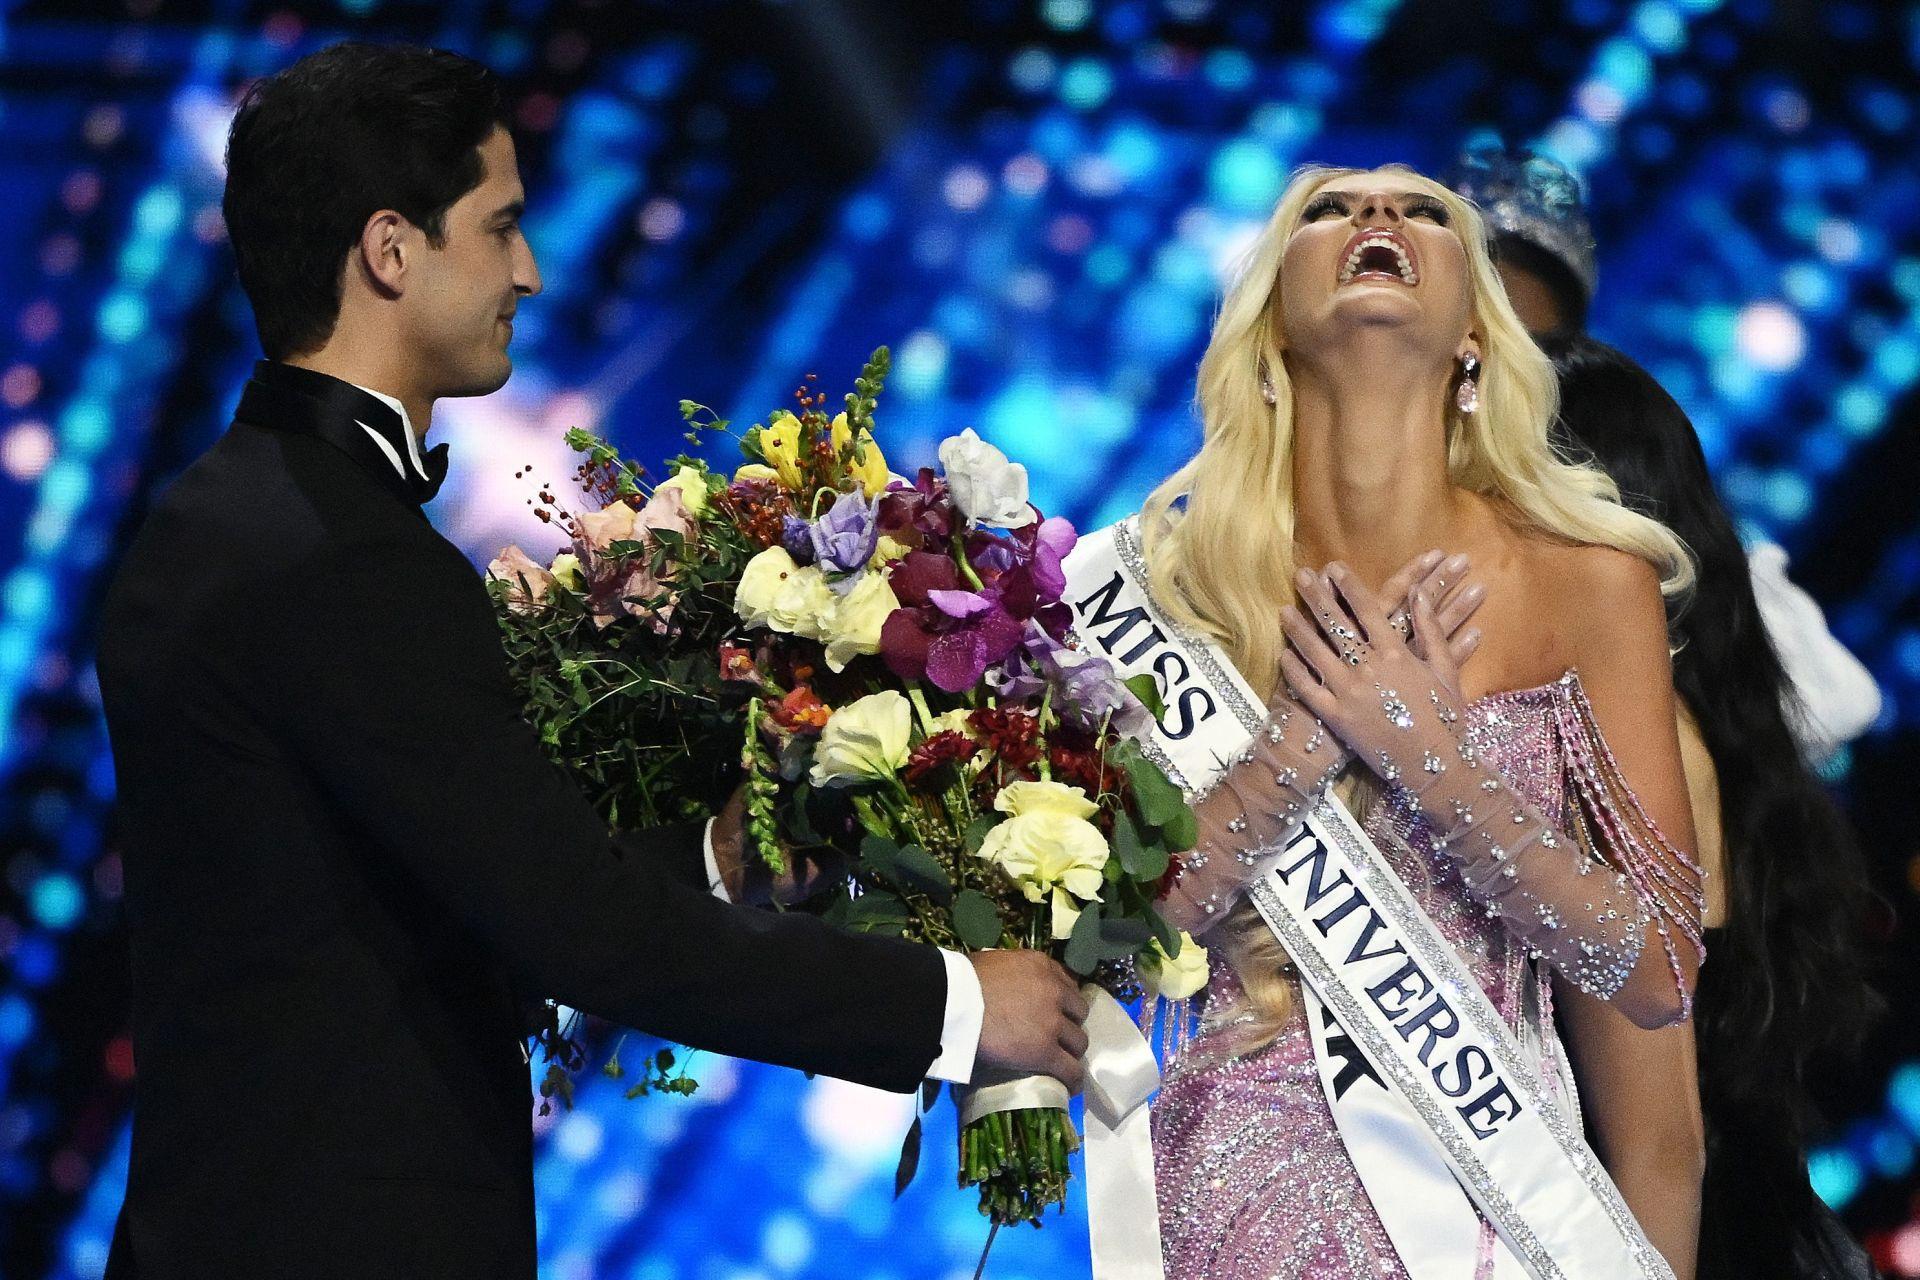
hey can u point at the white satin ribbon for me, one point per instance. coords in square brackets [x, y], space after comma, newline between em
[1123, 1215]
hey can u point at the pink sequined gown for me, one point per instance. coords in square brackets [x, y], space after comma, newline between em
[1253, 1180]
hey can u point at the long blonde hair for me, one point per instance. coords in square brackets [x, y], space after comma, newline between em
[1219, 532]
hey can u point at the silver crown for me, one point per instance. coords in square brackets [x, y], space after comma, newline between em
[1532, 198]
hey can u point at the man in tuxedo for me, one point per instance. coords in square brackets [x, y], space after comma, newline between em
[347, 861]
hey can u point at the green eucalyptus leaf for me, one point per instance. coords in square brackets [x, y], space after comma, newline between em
[1122, 937]
[909, 1159]
[976, 920]
[1182, 832]
[881, 856]
[1160, 801]
[877, 911]
[1083, 944]
[920, 871]
[1141, 856]
[1164, 933]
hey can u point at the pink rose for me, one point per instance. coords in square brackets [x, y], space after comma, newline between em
[595, 531]
[628, 585]
[527, 580]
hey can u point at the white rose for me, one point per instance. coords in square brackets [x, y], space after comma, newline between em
[1178, 978]
[854, 626]
[775, 592]
[1049, 848]
[864, 740]
[985, 486]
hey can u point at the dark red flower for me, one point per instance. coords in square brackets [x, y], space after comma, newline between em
[1010, 734]
[1084, 769]
[948, 747]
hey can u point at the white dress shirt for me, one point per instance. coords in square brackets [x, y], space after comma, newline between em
[966, 1003]
[1837, 699]
[386, 446]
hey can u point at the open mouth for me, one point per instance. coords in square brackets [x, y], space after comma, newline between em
[1377, 254]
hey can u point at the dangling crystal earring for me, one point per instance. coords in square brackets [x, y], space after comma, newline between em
[1467, 395]
[1267, 392]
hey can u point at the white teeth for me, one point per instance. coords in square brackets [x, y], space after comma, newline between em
[1350, 268]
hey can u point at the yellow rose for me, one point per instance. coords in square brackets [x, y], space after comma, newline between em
[775, 592]
[854, 626]
[867, 465]
[1178, 978]
[755, 471]
[692, 486]
[863, 740]
[1048, 847]
[780, 445]
[566, 571]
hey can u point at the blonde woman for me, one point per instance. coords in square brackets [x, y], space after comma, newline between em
[1368, 393]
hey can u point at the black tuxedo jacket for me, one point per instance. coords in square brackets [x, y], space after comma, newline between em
[348, 865]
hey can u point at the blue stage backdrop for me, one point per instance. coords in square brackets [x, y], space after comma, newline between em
[1035, 202]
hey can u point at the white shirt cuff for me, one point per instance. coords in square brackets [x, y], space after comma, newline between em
[966, 1003]
[960, 1032]
[715, 885]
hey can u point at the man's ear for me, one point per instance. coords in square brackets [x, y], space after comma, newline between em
[387, 245]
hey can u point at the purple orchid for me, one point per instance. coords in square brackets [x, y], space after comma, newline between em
[944, 632]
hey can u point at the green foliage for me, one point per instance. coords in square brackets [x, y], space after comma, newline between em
[1095, 938]
[976, 920]
[1160, 802]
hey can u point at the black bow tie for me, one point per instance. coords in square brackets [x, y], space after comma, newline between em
[290, 398]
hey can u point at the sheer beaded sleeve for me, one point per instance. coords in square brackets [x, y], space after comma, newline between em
[1583, 898]
[1252, 810]
[1669, 884]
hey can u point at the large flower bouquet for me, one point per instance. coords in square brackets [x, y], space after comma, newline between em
[890, 668]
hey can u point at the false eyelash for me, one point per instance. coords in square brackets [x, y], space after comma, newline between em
[1320, 205]
[1432, 208]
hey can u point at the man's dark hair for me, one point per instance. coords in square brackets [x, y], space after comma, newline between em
[321, 147]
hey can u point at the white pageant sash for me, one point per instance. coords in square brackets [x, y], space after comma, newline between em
[1445, 1113]
[1123, 1218]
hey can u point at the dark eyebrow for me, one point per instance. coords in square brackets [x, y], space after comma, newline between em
[509, 212]
[1398, 195]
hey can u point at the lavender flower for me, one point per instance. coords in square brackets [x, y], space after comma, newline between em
[796, 535]
[1086, 688]
[844, 539]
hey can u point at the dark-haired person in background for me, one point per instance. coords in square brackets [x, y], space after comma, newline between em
[1536, 217]
[347, 859]
[1786, 900]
